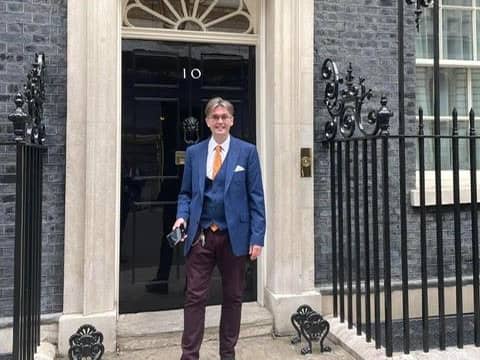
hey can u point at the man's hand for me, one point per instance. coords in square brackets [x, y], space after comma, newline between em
[178, 222]
[254, 252]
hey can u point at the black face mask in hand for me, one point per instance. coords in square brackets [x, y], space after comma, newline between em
[176, 235]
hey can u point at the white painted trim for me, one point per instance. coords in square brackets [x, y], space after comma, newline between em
[118, 189]
[450, 63]
[447, 188]
[284, 84]
[261, 131]
[289, 86]
[188, 36]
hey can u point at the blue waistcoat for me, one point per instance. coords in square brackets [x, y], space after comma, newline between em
[213, 206]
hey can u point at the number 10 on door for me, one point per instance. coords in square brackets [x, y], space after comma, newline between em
[195, 73]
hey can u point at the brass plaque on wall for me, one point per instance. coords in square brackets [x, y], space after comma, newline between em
[179, 157]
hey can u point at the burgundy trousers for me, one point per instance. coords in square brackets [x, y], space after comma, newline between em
[200, 263]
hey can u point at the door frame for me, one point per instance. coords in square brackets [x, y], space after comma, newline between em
[93, 148]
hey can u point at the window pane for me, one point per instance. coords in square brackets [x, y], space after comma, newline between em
[424, 37]
[476, 91]
[458, 2]
[453, 91]
[457, 34]
[446, 155]
[424, 88]
[477, 35]
[206, 15]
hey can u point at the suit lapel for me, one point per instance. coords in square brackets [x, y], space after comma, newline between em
[231, 160]
[202, 171]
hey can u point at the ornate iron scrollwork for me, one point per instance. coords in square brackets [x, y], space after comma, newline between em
[86, 343]
[345, 105]
[28, 126]
[311, 325]
[419, 10]
[315, 328]
[191, 130]
[298, 319]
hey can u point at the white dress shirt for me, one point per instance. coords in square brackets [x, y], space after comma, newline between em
[211, 153]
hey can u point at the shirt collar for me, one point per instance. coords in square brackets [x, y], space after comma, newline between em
[225, 145]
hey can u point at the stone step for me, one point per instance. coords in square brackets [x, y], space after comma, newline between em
[156, 330]
[261, 348]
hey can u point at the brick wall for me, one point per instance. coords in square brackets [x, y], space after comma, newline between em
[27, 27]
[364, 33]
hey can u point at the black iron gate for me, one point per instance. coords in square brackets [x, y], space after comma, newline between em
[30, 146]
[362, 159]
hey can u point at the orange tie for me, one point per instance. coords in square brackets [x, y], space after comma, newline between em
[217, 164]
[217, 161]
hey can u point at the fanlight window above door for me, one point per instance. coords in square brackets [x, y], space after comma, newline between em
[233, 16]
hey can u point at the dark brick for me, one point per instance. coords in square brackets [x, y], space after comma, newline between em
[6, 179]
[364, 33]
[14, 28]
[14, 7]
[30, 26]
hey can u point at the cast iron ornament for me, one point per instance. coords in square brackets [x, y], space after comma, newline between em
[311, 325]
[345, 105]
[86, 343]
[191, 131]
[419, 10]
[315, 328]
[28, 126]
[298, 319]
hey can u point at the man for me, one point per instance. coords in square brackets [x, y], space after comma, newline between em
[221, 200]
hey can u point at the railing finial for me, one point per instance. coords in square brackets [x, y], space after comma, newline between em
[28, 125]
[19, 118]
[418, 11]
[471, 116]
[384, 114]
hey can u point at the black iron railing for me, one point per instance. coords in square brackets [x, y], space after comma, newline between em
[377, 196]
[30, 146]
[368, 211]
[361, 213]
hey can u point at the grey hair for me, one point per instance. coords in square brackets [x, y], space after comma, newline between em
[216, 102]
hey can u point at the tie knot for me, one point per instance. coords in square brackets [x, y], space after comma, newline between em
[218, 148]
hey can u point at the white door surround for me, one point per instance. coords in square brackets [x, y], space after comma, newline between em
[92, 210]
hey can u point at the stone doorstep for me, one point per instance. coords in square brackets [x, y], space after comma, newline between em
[164, 328]
[360, 349]
[46, 351]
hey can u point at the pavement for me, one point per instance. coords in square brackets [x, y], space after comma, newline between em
[254, 348]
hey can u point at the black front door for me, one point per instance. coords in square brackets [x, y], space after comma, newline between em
[165, 88]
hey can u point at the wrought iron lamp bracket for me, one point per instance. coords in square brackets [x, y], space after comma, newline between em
[28, 126]
[345, 105]
[420, 4]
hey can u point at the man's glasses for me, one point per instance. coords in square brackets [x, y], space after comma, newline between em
[217, 117]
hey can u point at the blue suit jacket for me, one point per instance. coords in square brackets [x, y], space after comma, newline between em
[244, 203]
